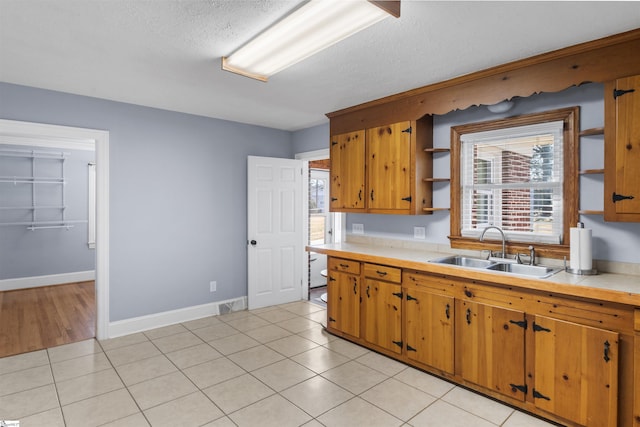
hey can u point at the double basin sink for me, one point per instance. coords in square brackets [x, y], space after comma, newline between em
[534, 271]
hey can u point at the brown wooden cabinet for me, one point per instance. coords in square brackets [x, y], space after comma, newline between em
[347, 181]
[490, 347]
[389, 168]
[576, 371]
[343, 296]
[622, 150]
[429, 328]
[571, 359]
[382, 307]
[395, 162]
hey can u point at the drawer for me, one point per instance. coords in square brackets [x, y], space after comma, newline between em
[383, 272]
[346, 265]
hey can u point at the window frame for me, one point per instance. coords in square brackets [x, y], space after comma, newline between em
[570, 117]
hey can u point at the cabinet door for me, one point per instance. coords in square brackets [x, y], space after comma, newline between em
[389, 167]
[576, 371]
[343, 302]
[381, 314]
[490, 347]
[347, 189]
[622, 150]
[429, 328]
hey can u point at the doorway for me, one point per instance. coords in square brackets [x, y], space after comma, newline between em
[324, 227]
[44, 135]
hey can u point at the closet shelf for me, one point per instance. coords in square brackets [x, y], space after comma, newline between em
[436, 179]
[437, 150]
[30, 207]
[31, 180]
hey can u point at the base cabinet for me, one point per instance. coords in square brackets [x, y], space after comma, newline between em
[538, 351]
[343, 296]
[576, 371]
[381, 308]
[381, 314]
[429, 328]
[490, 347]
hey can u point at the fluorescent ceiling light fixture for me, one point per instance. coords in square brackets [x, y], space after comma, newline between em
[309, 29]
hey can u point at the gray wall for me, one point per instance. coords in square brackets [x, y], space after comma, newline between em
[178, 195]
[311, 139]
[612, 241]
[25, 253]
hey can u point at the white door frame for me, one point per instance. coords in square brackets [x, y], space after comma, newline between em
[308, 156]
[39, 134]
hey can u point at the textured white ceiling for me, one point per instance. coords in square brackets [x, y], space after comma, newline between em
[166, 53]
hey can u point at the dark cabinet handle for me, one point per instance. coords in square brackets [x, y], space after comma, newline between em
[381, 273]
[619, 197]
[371, 195]
[344, 265]
[368, 296]
[468, 316]
[360, 194]
[355, 287]
[607, 349]
[447, 311]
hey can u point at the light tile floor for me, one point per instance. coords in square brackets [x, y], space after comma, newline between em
[270, 367]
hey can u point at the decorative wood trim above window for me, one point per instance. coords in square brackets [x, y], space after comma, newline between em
[570, 119]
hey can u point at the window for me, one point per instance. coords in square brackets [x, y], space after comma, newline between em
[518, 174]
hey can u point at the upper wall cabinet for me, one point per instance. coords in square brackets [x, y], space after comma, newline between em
[347, 187]
[622, 150]
[390, 157]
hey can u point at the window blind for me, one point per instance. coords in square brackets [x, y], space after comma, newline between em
[513, 178]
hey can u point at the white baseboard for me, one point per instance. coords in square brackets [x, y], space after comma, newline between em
[166, 318]
[51, 279]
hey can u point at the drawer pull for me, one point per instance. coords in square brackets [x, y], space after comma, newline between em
[381, 273]
[344, 265]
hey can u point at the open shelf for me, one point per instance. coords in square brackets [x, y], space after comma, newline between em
[591, 171]
[590, 212]
[436, 179]
[435, 209]
[592, 131]
[437, 150]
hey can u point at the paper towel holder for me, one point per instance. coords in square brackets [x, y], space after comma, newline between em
[591, 272]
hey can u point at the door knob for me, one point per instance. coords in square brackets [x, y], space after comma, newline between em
[253, 243]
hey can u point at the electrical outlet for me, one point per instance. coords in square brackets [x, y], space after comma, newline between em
[419, 233]
[213, 285]
[357, 228]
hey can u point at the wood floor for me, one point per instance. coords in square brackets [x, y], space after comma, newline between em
[37, 318]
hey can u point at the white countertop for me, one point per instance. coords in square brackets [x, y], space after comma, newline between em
[622, 288]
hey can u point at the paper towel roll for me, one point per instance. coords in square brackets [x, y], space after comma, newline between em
[581, 257]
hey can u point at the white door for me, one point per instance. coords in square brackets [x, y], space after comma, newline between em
[320, 224]
[275, 241]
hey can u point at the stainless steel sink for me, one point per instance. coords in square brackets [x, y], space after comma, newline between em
[464, 261]
[537, 271]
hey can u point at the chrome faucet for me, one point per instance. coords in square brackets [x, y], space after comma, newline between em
[504, 254]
